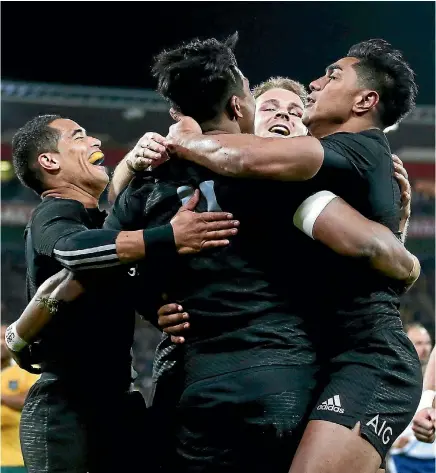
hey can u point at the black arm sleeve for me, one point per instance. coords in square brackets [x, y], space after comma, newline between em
[349, 152]
[58, 230]
[128, 211]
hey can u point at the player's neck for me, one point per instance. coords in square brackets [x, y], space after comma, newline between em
[354, 125]
[73, 192]
[220, 126]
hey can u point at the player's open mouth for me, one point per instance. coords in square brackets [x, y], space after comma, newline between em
[96, 158]
[280, 130]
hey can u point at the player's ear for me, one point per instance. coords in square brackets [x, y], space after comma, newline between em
[234, 107]
[365, 101]
[49, 161]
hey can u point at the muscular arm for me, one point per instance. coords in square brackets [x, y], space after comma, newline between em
[58, 231]
[151, 144]
[339, 226]
[86, 249]
[120, 179]
[430, 372]
[61, 287]
[249, 156]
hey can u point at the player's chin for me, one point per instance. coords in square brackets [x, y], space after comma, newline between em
[100, 173]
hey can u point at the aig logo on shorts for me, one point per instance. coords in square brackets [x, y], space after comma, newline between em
[332, 404]
[384, 433]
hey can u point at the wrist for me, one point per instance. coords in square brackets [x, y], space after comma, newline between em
[159, 239]
[427, 399]
[13, 341]
[130, 169]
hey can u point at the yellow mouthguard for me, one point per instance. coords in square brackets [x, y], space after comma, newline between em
[96, 156]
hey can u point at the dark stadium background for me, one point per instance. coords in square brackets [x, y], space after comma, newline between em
[90, 61]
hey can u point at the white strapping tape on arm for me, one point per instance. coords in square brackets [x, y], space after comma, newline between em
[306, 215]
[13, 340]
[426, 399]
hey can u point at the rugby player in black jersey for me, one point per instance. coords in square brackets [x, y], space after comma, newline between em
[70, 422]
[372, 381]
[250, 365]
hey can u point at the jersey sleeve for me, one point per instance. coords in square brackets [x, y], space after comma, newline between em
[128, 210]
[348, 152]
[58, 231]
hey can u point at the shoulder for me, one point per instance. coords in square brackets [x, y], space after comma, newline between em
[364, 149]
[51, 208]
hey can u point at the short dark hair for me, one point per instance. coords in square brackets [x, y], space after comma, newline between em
[198, 78]
[281, 83]
[34, 138]
[385, 70]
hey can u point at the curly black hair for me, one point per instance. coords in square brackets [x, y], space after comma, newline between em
[198, 78]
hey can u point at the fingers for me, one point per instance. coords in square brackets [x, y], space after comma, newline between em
[152, 145]
[424, 429]
[214, 244]
[221, 225]
[140, 163]
[177, 340]
[172, 320]
[396, 159]
[177, 330]
[404, 183]
[401, 170]
[213, 216]
[425, 439]
[149, 149]
[423, 432]
[422, 425]
[150, 136]
[220, 234]
[169, 309]
[193, 201]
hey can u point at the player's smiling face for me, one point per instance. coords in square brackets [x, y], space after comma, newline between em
[279, 114]
[77, 160]
[333, 95]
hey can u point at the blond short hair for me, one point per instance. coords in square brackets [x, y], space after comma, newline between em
[281, 83]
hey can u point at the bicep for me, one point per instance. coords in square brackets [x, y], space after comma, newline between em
[328, 219]
[296, 159]
[344, 230]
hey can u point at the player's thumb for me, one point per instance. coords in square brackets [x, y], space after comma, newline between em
[193, 201]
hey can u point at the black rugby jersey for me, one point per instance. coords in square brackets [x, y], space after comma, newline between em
[349, 298]
[91, 337]
[238, 297]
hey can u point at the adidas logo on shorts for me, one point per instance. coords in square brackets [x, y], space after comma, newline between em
[332, 404]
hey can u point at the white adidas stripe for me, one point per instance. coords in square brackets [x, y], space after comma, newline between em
[333, 401]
